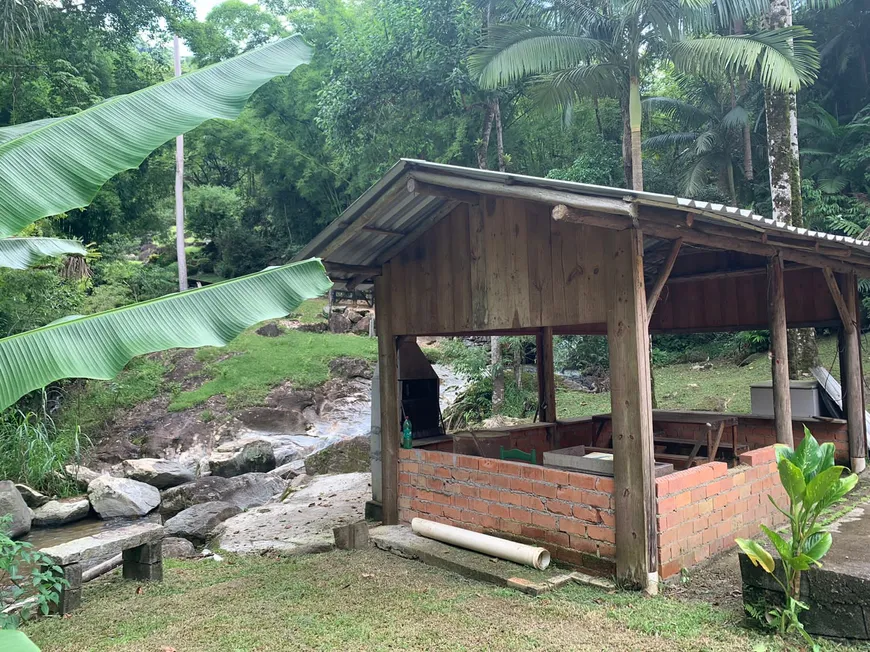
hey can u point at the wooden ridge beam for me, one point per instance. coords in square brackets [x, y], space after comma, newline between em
[530, 193]
[369, 271]
[381, 231]
[662, 278]
[417, 187]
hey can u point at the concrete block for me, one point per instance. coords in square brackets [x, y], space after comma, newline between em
[351, 537]
[149, 553]
[143, 572]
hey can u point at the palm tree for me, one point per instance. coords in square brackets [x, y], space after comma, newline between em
[572, 49]
[710, 143]
[54, 165]
[829, 142]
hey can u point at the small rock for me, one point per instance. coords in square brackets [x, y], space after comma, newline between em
[363, 325]
[197, 523]
[112, 497]
[178, 548]
[61, 512]
[81, 474]
[352, 315]
[288, 471]
[32, 497]
[269, 330]
[240, 457]
[12, 504]
[156, 472]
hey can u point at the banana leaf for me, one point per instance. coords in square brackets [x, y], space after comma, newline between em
[21, 253]
[54, 165]
[100, 345]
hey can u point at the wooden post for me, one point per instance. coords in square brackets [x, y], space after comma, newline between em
[631, 407]
[851, 377]
[779, 352]
[388, 366]
[546, 377]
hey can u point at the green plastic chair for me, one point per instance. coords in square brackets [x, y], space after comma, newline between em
[517, 454]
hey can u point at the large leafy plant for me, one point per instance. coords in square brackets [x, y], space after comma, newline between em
[813, 483]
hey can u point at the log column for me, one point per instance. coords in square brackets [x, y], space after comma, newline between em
[546, 377]
[851, 376]
[388, 370]
[779, 352]
[631, 406]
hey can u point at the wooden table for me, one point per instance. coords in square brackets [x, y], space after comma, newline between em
[714, 423]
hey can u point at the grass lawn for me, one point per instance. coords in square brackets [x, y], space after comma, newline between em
[371, 600]
[251, 365]
[724, 388]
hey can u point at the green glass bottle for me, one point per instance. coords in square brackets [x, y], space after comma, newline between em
[407, 436]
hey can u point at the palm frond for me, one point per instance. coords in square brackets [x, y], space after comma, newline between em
[561, 89]
[100, 345]
[57, 165]
[736, 118]
[782, 59]
[513, 52]
[677, 139]
[686, 112]
[21, 253]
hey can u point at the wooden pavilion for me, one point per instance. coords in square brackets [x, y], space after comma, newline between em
[459, 251]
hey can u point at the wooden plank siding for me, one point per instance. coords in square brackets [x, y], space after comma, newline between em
[500, 265]
[503, 265]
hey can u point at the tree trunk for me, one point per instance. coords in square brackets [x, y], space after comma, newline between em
[635, 117]
[499, 134]
[497, 374]
[748, 172]
[626, 146]
[483, 149]
[179, 189]
[780, 109]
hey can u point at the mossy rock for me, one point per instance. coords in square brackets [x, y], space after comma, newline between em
[346, 456]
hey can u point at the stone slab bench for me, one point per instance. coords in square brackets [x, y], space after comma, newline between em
[141, 546]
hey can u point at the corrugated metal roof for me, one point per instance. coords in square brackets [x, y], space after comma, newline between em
[400, 213]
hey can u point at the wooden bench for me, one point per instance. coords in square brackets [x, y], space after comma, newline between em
[141, 546]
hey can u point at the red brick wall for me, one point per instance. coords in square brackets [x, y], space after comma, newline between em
[570, 513]
[701, 510]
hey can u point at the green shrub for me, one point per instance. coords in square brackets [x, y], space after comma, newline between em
[26, 572]
[582, 353]
[813, 483]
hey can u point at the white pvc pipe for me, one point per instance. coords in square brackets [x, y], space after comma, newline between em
[483, 543]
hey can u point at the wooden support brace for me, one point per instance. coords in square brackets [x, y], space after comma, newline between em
[546, 377]
[662, 279]
[418, 187]
[839, 301]
[779, 352]
[852, 377]
[388, 365]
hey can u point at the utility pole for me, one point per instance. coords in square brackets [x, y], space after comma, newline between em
[179, 187]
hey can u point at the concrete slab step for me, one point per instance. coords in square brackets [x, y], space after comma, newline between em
[401, 541]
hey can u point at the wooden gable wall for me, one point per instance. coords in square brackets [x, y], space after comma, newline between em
[501, 264]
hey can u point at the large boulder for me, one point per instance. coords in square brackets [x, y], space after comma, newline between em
[338, 323]
[13, 505]
[61, 512]
[31, 496]
[243, 491]
[346, 456]
[240, 457]
[156, 472]
[177, 548]
[197, 523]
[112, 497]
